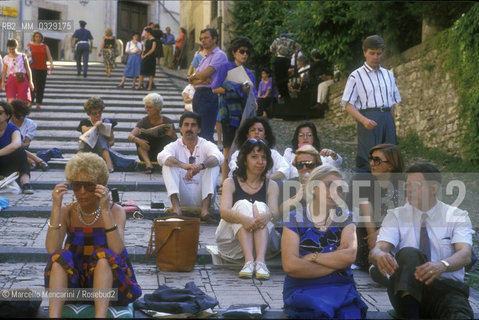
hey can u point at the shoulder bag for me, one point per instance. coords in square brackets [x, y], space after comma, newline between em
[176, 242]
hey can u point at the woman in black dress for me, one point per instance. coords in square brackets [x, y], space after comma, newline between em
[148, 60]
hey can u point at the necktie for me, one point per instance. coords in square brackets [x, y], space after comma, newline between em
[424, 243]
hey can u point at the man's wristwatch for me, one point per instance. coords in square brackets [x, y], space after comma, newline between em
[203, 167]
[444, 262]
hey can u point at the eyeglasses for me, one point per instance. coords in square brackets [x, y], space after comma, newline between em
[307, 135]
[95, 113]
[377, 161]
[191, 159]
[253, 140]
[242, 51]
[88, 186]
[309, 165]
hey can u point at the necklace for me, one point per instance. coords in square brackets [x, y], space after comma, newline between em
[95, 213]
[254, 188]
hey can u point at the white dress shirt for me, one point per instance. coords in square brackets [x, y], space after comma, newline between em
[178, 150]
[446, 225]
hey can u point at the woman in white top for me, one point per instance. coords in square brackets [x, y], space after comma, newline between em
[306, 133]
[132, 69]
[17, 69]
[259, 128]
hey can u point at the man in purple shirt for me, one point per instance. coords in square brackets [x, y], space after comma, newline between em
[205, 102]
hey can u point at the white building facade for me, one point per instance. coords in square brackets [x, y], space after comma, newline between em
[20, 18]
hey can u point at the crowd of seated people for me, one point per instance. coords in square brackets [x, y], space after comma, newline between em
[298, 204]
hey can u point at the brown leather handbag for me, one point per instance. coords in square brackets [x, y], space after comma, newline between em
[176, 242]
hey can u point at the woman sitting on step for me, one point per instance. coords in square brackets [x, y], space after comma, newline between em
[153, 132]
[318, 248]
[28, 128]
[248, 206]
[94, 255]
[12, 156]
[94, 107]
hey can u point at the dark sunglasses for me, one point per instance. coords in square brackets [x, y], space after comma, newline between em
[89, 186]
[253, 140]
[242, 51]
[191, 159]
[377, 161]
[94, 113]
[309, 165]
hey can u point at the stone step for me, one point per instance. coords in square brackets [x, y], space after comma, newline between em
[78, 116]
[136, 254]
[167, 94]
[58, 135]
[129, 103]
[51, 110]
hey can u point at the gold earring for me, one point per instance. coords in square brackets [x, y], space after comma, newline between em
[73, 199]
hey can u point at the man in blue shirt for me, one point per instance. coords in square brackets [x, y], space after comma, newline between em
[168, 42]
[83, 40]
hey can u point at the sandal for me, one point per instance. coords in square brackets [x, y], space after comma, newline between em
[149, 170]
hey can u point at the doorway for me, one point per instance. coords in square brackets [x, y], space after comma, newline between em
[132, 17]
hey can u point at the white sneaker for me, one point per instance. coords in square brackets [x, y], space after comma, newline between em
[262, 271]
[247, 271]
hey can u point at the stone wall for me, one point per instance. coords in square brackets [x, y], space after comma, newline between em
[429, 104]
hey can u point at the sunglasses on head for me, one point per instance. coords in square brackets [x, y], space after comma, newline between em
[253, 140]
[309, 165]
[88, 186]
[242, 51]
[377, 161]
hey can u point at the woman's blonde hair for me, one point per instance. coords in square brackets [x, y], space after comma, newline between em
[308, 149]
[318, 174]
[88, 165]
[108, 32]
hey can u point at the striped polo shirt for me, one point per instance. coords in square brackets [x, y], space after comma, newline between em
[368, 88]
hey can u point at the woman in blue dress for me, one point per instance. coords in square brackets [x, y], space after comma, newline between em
[318, 248]
[133, 62]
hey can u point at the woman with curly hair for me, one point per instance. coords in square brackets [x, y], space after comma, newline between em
[248, 205]
[259, 128]
[232, 96]
[94, 254]
[94, 107]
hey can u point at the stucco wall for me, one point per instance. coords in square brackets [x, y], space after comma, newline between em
[429, 104]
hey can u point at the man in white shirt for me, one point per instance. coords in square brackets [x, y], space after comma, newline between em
[423, 247]
[369, 97]
[190, 168]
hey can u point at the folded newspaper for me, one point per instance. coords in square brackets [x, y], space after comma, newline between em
[157, 131]
[238, 75]
[91, 136]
